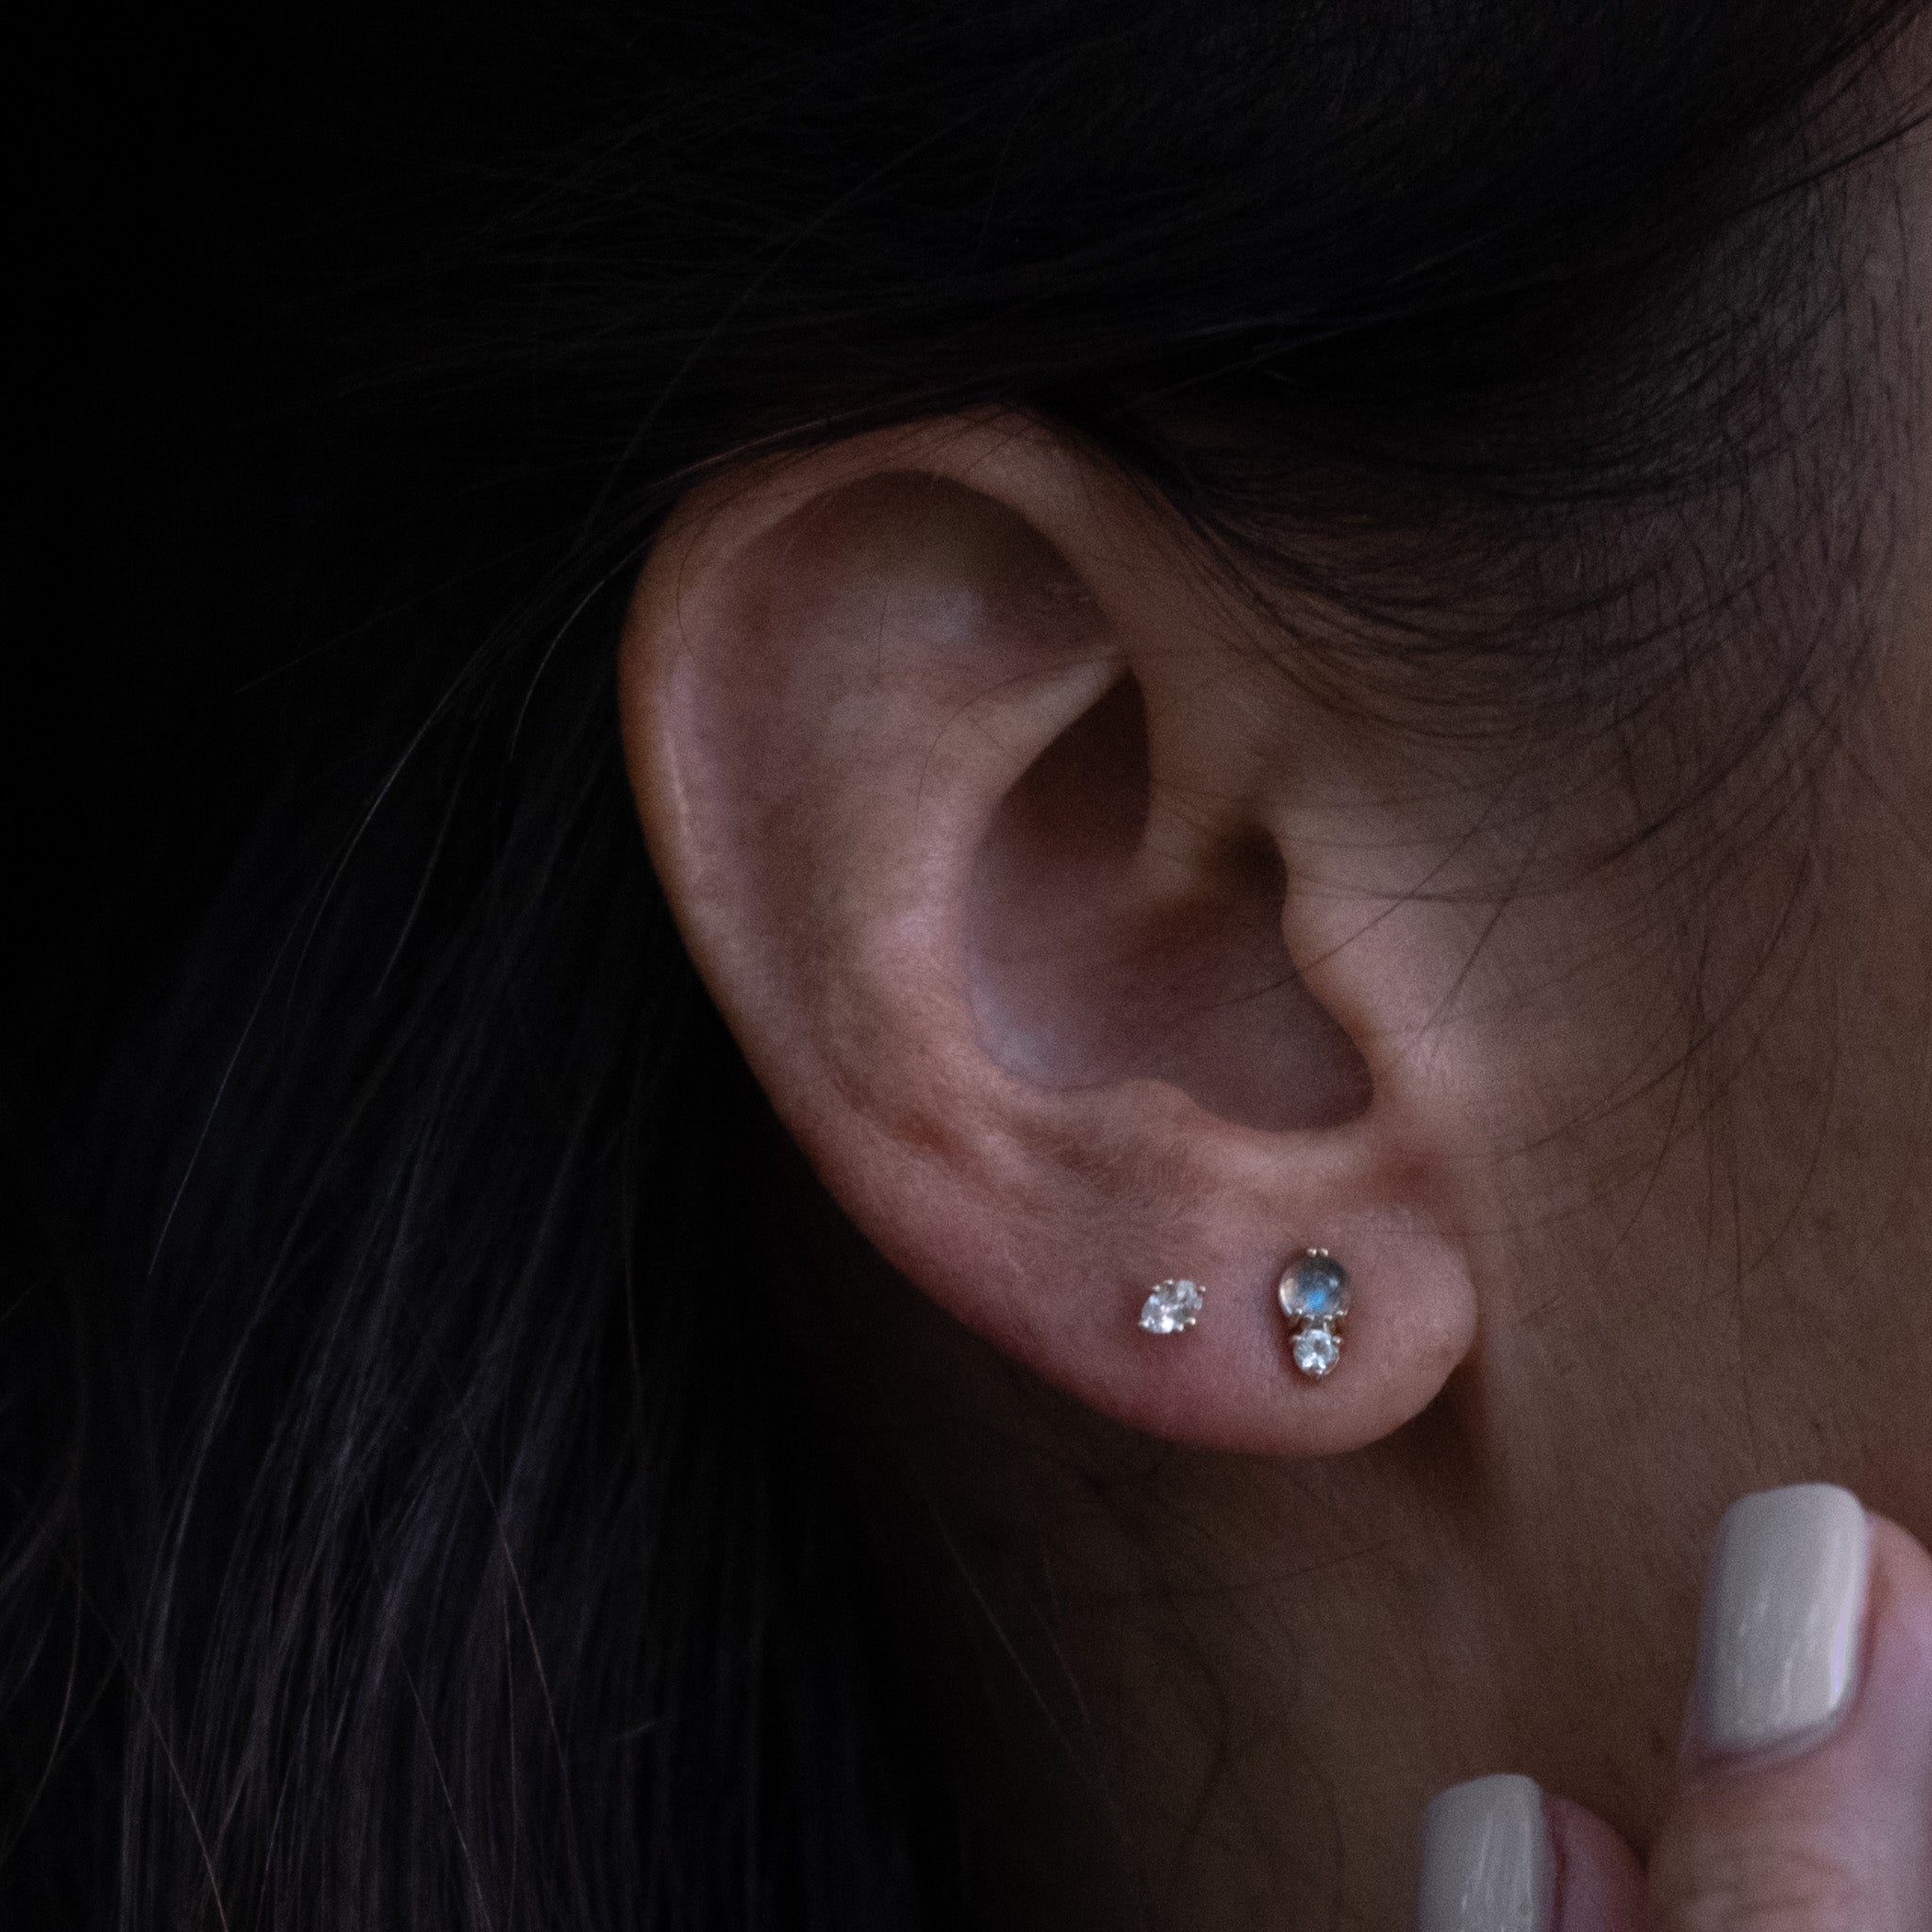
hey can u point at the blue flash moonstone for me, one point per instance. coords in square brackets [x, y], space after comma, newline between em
[1315, 1289]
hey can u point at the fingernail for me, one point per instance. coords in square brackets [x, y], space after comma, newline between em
[1777, 1659]
[1487, 1864]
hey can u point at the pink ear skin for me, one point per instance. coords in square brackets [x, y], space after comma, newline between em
[980, 823]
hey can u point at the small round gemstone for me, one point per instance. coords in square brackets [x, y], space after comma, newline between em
[1314, 1289]
[1172, 1306]
[1316, 1351]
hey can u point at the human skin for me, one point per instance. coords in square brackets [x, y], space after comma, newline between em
[1660, 1104]
[1221, 1690]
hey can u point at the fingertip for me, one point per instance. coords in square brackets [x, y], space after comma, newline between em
[1901, 1573]
[1501, 1856]
[1896, 1677]
[1487, 1860]
[1599, 1884]
[1817, 1812]
[1784, 1605]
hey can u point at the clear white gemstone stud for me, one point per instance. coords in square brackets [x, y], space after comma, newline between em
[1316, 1351]
[1314, 1293]
[1171, 1306]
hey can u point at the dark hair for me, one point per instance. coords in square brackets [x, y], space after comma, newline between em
[415, 1512]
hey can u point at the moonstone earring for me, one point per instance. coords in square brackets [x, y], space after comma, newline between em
[1314, 1293]
[1171, 1306]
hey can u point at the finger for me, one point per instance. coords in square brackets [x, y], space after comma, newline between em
[1599, 1882]
[1807, 1803]
[1498, 1856]
[1488, 1864]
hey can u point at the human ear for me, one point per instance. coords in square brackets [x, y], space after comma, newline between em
[983, 818]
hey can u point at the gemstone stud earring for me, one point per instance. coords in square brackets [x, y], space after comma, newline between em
[1314, 1293]
[1171, 1306]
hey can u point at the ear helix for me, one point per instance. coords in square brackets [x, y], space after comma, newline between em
[1312, 1295]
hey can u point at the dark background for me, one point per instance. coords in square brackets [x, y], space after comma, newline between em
[193, 201]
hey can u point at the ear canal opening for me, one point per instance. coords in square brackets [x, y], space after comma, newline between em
[1094, 958]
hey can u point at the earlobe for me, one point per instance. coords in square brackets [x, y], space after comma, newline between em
[974, 817]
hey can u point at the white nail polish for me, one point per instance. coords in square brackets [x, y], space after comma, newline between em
[1486, 1863]
[1784, 1609]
